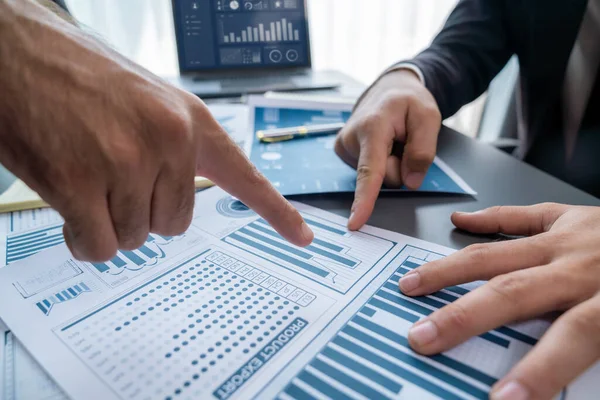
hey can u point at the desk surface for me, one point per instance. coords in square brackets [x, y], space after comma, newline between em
[498, 178]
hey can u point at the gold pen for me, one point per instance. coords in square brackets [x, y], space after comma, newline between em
[283, 134]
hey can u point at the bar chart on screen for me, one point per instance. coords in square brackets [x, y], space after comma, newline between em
[370, 356]
[283, 30]
[337, 258]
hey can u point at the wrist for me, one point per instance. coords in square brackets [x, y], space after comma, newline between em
[396, 76]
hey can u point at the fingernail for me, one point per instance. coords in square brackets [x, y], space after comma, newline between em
[423, 333]
[462, 213]
[510, 391]
[410, 282]
[307, 233]
[414, 179]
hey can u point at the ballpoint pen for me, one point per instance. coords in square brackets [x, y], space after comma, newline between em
[282, 134]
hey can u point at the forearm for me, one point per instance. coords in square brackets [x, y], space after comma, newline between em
[467, 54]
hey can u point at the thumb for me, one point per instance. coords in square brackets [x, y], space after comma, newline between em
[422, 129]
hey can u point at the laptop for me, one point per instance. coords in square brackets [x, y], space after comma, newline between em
[238, 47]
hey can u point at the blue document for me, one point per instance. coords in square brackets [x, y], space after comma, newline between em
[309, 165]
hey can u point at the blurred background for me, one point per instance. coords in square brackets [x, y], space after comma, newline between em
[358, 37]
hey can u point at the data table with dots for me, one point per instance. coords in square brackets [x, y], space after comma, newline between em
[180, 334]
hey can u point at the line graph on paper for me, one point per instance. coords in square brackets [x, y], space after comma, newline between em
[337, 258]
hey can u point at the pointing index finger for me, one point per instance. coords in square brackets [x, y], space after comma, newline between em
[223, 162]
[370, 170]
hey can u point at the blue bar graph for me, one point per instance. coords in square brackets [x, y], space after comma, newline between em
[25, 245]
[362, 369]
[442, 359]
[320, 242]
[347, 380]
[330, 246]
[410, 264]
[358, 348]
[101, 267]
[301, 264]
[137, 258]
[451, 298]
[67, 294]
[119, 263]
[324, 227]
[322, 386]
[297, 393]
[426, 311]
[274, 243]
[394, 310]
[147, 252]
[370, 357]
[368, 311]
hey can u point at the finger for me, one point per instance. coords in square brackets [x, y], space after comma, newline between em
[129, 205]
[393, 172]
[505, 299]
[571, 345]
[422, 128]
[173, 199]
[477, 262]
[225, 164]
[344, 154]
[529, 221]
[89, 231]
[370, 171]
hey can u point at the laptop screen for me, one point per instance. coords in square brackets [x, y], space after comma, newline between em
[241, 34]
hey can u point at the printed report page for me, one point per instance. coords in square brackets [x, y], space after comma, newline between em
[231, 310]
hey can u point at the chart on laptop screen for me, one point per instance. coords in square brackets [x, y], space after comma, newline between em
[241, 33]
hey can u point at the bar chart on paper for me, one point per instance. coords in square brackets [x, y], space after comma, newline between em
[337, 258]
[370, 355]
[23, 245]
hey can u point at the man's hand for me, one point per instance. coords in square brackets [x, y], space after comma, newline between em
[397, 109]
[110, 146]
[555, 268]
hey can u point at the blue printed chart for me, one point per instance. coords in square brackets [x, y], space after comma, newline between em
[336, 259]
[309, 165]
[69, 293]
[23, 377]
[23, 245]
[370, 356]
[178, 332]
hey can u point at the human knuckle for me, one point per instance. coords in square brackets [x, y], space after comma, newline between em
[422, 157]
[477, 253]
[587, 324]
[130, 235]
[366, 172]
[457, 316]
[371, 123]
[509, 287]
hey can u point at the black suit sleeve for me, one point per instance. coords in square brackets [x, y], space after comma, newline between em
[467, 54]
[62, 4]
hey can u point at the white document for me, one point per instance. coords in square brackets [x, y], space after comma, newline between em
[24, 233]
[230, 310]
[234, 118]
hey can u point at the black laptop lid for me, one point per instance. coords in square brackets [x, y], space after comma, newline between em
[230, 35]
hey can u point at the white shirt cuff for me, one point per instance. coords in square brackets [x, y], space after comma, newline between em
[408, 66]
